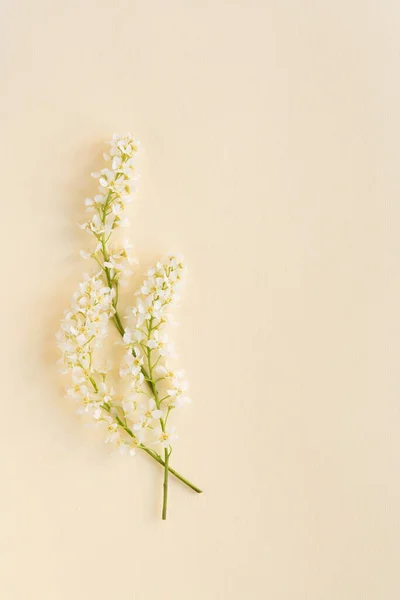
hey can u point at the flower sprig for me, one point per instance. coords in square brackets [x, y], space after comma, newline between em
[137, 415]
[147, 344]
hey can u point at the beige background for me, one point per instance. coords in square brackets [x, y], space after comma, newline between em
[270, 132]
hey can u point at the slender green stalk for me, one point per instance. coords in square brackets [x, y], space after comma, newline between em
[159, 459]
[167, 451]
[165, 484]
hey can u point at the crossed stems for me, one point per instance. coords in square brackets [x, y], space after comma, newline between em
[148, 375]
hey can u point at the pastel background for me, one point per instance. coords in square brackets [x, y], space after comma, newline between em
[270, 159]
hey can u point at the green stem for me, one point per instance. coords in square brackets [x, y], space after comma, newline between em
[167, 451]
[159, 459]
[118, 323]
[165, 484]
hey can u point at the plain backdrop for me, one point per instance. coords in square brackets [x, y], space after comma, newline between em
[270, 135]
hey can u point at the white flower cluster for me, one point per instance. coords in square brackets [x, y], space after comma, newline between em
[82, 331]
[145, 366]
[85, 324]
[116, 187]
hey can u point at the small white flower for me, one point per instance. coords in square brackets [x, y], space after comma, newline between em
[165, 437]
[132, 364]
[145, 414]
[113, 433]
[122, 222]
[158, 342]
[128, 337]
[167, 373]
[177, 394]
[129, 406]
[89, 203]
[125, 448]
[151, 411]
[136, 382]
[97, 412]
[78, 391]
[105, 395]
